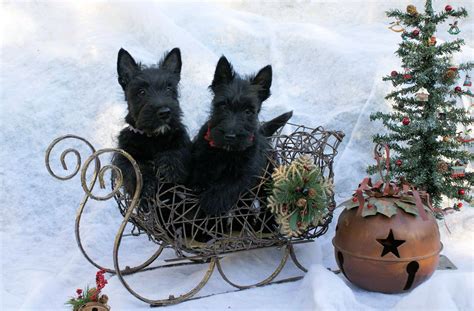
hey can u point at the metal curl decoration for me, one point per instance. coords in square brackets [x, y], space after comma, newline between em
[77, 154]
[102, 170]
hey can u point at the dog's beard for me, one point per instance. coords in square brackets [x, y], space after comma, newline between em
[162, 129]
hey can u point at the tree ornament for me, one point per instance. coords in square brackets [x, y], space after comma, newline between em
[453, 28]
[396, 27]
[432, 41]
[406, 121]
[459, 205]
[461, 192]
[442, 167]
[415, 33]
[448, 8]
[467, 81]
[407, 76]
[422, 95]
[464, 136]
[399, 162]
[450, 74]
[458, 170]
[290, 207]
[458, 89]
[411, 9]
[405, 35]
[394, 74]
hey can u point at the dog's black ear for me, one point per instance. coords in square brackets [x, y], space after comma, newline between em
[224, 73]
[269, 128]
[264, 80]
[126, 67]
[172, 61]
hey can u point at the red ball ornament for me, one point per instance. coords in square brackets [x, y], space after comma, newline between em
[461, 192]
[448, 8]
[407, 76]
[398, 162]
[394, 73]
[457, 89]
[406, 121]
[459, 205]
[415, 32]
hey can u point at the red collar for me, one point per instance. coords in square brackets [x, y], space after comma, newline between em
[209, 139]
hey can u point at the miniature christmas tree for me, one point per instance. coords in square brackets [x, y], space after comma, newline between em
[425, 122]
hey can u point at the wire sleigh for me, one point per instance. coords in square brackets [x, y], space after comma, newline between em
[171, 219]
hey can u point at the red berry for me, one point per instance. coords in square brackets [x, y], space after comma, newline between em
[79, 291]
[448, 8]
[459, 205]
[457, 89]
[398, 162]
[407, 76]
[354, 199]
[415, 32]
[461, 192]
[394, 73]
[406, 121]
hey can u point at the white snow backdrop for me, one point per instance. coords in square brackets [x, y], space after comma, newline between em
[58, 76]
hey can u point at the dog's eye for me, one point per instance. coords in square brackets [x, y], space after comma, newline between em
[141, 92]
[248, 111]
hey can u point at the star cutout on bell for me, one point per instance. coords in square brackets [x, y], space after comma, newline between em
[390, 245]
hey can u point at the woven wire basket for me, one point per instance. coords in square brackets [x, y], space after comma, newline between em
[173, 217]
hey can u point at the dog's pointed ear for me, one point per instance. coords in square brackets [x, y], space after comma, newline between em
[269, 128]
[172, 61]
[126, 67]
[224, 73]
[263, 79]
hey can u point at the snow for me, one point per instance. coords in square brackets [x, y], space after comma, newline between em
[58, 76]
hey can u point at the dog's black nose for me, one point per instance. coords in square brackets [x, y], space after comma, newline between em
[230, 137]
[164, 112]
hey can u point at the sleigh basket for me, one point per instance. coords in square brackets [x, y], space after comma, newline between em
[172, 218]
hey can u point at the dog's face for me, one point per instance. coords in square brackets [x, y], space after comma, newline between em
[151, 92]
[237, 101]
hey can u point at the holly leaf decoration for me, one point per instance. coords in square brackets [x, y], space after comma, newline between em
[384, 206]
[407, 207]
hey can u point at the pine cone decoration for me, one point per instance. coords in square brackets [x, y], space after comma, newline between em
[443, 167]
[301, 202]
[411, 9]
[450, 75]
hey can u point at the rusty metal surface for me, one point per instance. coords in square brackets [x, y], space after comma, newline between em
[383, 254]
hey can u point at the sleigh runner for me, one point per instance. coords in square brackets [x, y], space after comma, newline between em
[171, 218]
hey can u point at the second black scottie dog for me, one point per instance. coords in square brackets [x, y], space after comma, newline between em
[230, 150]
[155, 137]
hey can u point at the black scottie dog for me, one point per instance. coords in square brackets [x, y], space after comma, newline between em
[230, 149]
[155, 137]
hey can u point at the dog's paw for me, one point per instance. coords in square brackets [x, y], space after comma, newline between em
[214, 204]
[171, 170]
